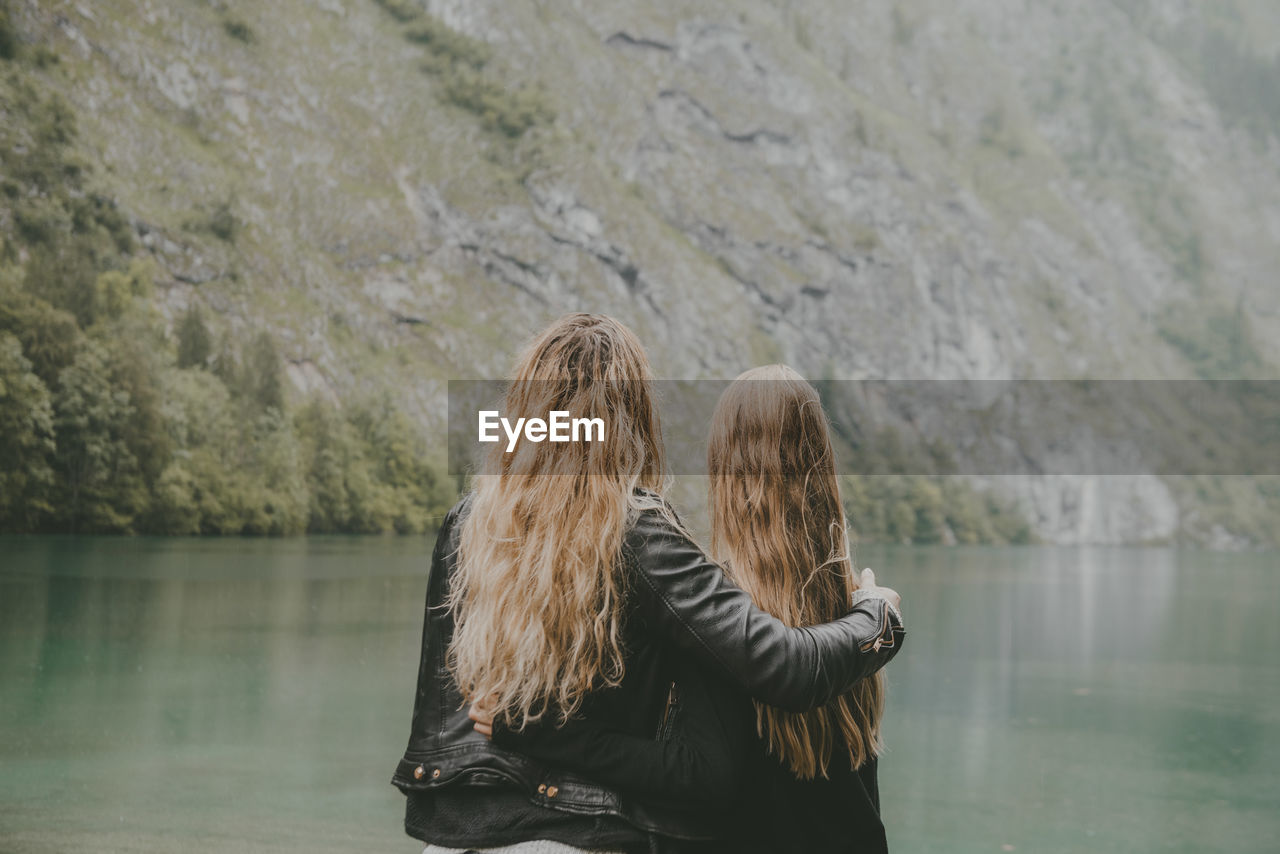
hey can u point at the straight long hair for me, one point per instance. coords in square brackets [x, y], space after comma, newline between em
[538, 591]
[778, 525]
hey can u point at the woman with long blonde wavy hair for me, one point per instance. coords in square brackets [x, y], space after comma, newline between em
[537, 604]
[563, 589]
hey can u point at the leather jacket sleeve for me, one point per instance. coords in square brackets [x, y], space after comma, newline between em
[686, 598]
[698, 757]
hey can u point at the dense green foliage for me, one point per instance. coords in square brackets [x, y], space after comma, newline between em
[26, 422]
[906, 493]
[139, 431]
[8, 38]
[927, 510]
[195, 343]
[112, 424]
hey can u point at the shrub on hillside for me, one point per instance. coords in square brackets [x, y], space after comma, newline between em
[447, 47]
[500, 110]
[402, 10]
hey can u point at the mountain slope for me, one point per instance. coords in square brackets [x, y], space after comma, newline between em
[398, 191]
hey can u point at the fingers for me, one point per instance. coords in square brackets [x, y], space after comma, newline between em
[482, 719]
[893, 597]
[482, 709]
[868, 580]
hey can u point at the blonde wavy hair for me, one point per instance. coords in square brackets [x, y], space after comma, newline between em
[778, 526]
[537, 595]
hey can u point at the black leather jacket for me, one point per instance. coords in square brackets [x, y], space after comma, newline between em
[709, 758]
[465, 791]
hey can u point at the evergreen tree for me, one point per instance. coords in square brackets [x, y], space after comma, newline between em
[333, 451]
[8, 38]
[65, 275]
[195, 344]
[26, 423]
[264, 375]
[49, 336]
[275, 490]
[98, 473]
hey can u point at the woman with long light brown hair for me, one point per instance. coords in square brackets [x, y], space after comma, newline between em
[778, 526]
[564, 586]
[808, 783]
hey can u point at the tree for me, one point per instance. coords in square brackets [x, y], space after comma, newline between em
[411, 489]
[26, 423]
[931, 520]
[902, 522]
[118, 291]
[197, 410]
[66, 276]
[193, 494]
[49, 336]
[175, 508]
[277, 490]
[333, 451]
[136, 351]
[195, 344]
[264, 375]
[226, 365]
[966, 513]
[102, 491]
[8, 38]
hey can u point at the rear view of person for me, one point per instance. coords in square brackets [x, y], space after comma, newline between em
[564, 586]
[778, 526]
[805, 779]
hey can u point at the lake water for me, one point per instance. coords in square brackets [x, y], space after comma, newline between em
[254, 695]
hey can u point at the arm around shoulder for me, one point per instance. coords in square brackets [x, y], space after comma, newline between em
[687, 598]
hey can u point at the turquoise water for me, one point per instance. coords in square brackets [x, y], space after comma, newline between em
[1084, 700]
[253, 695]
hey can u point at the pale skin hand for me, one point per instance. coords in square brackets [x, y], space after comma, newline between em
[481, 711]
[867, 581]
[481, 714]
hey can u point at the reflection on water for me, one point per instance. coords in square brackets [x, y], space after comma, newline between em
[1083, 700]
[254, 695]
[251, 695]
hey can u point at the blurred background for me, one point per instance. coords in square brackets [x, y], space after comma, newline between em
[246, 245]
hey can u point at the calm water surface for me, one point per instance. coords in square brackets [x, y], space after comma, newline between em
[254, 695]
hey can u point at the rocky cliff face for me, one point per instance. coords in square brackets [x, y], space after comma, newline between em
[974, 189]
